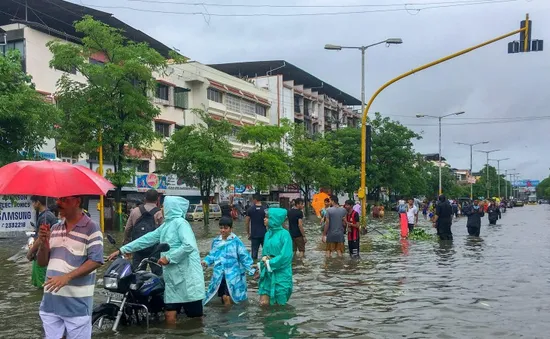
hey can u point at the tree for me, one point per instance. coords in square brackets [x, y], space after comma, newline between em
[201, 155]
[543, 189]
[311, 163]
[26, 119]
[344, 148]
[393, 157]
[268, 165]
[480, 187]
[112, 108]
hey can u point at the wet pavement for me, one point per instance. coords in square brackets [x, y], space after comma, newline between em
[492, 287]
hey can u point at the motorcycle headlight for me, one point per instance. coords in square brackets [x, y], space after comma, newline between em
[111, 283]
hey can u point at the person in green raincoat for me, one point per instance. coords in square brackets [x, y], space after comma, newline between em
[182, 269]
[275, 284]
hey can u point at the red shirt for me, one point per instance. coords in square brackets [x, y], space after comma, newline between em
[353, 233]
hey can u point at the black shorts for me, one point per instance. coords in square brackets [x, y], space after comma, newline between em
[223, 290]
[191, 309]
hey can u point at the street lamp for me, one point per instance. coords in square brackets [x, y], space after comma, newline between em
[330, 47]
[471, 150]
[498, 171]
[390, 41]
[439, 118]
[487, 164]
[506, 187]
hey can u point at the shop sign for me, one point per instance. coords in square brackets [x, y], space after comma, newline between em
[149, 181]
[16, 213]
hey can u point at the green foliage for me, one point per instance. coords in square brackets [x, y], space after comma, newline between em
[26, 119]
[543, 189]
[417, 234]
[344, 148]
[201, 155]
[393, 156]
[480, 187]
[268, 165]
[113, 101]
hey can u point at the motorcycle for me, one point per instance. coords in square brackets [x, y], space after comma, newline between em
[133, 295]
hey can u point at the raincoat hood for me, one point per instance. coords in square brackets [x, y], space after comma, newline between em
[175, 207]
[276, 217]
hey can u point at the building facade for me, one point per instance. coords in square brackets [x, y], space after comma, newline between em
[298, 96]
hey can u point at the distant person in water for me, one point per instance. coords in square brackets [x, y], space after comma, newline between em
[275, 268]
[443, 219]
[493, 212]
[230, 260]
[474, 213]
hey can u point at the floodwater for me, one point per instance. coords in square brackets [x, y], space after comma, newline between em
[492, 287]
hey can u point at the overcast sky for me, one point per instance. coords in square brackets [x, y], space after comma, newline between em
[490, 85]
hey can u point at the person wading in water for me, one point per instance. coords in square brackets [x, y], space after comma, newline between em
[474, 214]
[443, 219]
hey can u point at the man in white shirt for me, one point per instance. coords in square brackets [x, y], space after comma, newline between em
[412, 215]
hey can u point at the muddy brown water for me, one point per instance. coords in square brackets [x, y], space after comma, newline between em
[492, 287]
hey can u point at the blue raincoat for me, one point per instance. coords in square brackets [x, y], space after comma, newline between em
[232, 260]
[276, 273]
[183, 276]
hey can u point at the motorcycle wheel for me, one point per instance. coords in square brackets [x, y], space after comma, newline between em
[103, 318]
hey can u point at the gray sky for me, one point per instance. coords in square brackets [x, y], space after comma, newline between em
[489, 84]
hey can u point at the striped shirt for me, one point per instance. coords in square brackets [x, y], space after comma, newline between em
[68, 251]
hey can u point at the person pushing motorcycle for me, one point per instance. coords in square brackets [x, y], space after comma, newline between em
[182, 270]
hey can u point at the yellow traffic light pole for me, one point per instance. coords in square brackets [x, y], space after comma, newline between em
[362, 194]
[101, 201]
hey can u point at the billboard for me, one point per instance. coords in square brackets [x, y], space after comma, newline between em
[525, 183]
[16, 213]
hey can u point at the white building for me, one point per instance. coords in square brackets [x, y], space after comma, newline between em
[298, 96]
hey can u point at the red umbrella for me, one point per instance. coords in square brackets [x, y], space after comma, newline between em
[51, 179]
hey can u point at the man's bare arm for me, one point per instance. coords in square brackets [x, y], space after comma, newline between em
[247, 223]
[327, 222]
[88, 267]
[43, 255]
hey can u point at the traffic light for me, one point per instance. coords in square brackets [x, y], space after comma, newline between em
[520, 46]
[369, 143]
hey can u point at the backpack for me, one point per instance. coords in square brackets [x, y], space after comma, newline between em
[145, 223]
[403, 208]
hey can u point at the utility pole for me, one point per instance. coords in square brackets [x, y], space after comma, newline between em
[505, 176]
[498, 172]
[471, 157]
[488, 184]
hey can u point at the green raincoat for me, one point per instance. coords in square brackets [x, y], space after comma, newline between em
[183, 276]
[276, 273]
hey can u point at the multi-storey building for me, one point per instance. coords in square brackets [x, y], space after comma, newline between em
[298, 96]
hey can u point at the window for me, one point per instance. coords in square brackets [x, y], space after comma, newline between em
[214, 95]
[67, 157]
[248, 107]
[162, 129]
[161, 92]
[306, 107]
[297, 108]
[233, 103]
[143, 166]
[181, 97]
[18, 45]
[261, 110]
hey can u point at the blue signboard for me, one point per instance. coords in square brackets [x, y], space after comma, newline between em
[526, 183]
[145, 182]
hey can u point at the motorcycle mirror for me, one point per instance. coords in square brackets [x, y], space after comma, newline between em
[112, 240]
[163, 247]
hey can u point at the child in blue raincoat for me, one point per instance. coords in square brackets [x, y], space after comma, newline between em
[231, 260]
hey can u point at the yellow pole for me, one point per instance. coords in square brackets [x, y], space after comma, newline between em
[526, 41]
[101, 201]
[362, 191]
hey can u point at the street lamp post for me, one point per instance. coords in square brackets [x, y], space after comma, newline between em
[487, 185]
[439, 118]
[513, 178]
[498, 171]
[363, 49]
[506, 187]
[471, 158]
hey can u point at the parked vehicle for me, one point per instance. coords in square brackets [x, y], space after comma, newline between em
[518, 203]
[133, 296]
[196, 212]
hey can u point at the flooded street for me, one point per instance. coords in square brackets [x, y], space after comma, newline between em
[493, 287]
